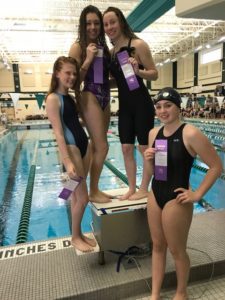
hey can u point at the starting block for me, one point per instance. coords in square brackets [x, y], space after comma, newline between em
[120, 224]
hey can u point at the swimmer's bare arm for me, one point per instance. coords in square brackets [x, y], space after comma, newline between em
[143, 56]
[76, 52]
[198, 144]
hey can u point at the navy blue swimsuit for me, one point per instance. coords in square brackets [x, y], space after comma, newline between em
[179, 164]
[73, 131]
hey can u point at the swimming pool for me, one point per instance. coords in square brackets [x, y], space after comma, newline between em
[49, 218]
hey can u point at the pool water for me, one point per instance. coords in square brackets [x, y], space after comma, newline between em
[50, 214]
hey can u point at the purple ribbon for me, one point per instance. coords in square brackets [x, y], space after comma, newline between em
[161, 160]
[98, 66]
[128, 70]
[65, 193]
[69, 187]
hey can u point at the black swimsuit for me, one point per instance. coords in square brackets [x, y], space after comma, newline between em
[179, 164]
[136, 110]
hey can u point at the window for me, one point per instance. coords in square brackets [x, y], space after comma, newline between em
[210, 55]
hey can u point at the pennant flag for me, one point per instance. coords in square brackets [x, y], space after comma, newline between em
[15, 97]
[40, 99]
[184, 102]
[26, 105]
[220, 100]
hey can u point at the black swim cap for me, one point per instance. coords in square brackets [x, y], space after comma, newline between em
[170, 94]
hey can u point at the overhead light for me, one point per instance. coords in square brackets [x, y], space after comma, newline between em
[48, 72]
[196, 34]
[198, 48]
[28, 72]
[174, 59]
[221, 39]
[167, 60]
[5, 61]
[208, 46]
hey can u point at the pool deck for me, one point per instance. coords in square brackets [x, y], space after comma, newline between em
[53, 270]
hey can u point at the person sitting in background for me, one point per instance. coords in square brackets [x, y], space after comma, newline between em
[222, 111]
[4, 119]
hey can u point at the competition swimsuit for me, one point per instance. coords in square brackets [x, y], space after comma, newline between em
[179, 164]
[101, 91]
[136, 110]
[73, 131]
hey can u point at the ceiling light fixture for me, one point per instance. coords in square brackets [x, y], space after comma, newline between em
[196, 34]
[167, 60]
[28, 72]
[198, 48]
[221, 39]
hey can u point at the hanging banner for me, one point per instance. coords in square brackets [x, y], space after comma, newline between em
[184, 102]
[26, 105]
[40, 98]
[220, 100]
[15, 97]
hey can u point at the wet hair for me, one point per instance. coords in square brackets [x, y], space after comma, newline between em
[82, 35]
[168, 93]
[54, 84]
[125, 27]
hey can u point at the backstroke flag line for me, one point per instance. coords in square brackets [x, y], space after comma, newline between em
[40, 98]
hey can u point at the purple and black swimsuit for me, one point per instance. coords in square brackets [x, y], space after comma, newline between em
[101, 91]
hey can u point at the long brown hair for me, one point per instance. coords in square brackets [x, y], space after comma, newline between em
[54, 84]
[125, 27]
[82, 35]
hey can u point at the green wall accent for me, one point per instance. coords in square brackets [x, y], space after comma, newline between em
[147, 12]
[223, 64]
[196, 69]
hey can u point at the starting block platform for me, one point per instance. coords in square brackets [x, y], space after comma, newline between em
[120, 224]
